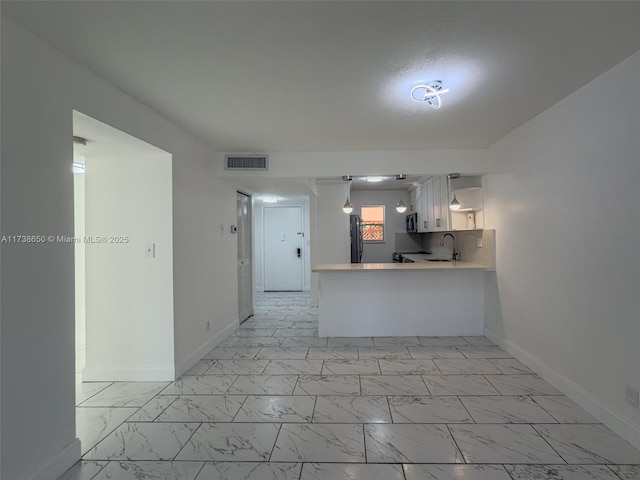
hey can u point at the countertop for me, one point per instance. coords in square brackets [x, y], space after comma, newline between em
[423, 265]
[418, 257]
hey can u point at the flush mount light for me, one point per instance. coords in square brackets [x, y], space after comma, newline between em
[401, 176]
[374, 179]
[270, 199]
[429, 93]
[401, 207]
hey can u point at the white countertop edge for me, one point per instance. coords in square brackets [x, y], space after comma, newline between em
[369, 267]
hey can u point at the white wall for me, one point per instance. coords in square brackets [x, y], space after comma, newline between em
[40, 89]
[329, 230]
[332, 225]
[361, 163]
[563, 200]
[258, 243]
[79, 275]
[125, 291]
[393, 221]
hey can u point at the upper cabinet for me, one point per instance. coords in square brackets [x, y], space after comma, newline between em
[431, 201]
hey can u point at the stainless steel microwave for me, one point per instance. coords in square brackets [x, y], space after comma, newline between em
[412, 222]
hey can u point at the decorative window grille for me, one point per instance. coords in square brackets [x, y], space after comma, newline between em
[372, 223]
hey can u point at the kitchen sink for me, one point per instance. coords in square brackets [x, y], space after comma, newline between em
[438, 260]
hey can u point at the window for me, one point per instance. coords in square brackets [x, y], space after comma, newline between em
[372, 223]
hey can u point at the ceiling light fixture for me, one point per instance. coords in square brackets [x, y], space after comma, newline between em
[401, 207]
[401, 176]
[429, 93]
[375, 179]
[455, 204]
[347, 208]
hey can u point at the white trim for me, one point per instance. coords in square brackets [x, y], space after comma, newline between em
[59, 463]
[143, 373]
[194, 357]
[607, 415]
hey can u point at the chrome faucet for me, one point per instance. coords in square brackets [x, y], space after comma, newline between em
[454, 253]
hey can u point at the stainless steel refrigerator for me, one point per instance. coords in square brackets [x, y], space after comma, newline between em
[356, 238]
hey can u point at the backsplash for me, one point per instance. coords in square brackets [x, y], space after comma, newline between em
[407, 242]
[467, 244]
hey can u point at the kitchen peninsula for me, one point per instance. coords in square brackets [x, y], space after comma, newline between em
[408, 299]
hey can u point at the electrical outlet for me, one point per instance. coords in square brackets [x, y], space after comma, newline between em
[632, 396]
[208, 324]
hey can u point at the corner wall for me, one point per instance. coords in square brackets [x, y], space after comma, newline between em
[129, 297]
[563, 196]
[40, 89]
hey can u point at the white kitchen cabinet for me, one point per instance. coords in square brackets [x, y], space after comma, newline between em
[433, 215]
[440, 221]
[413, 200]
[430, 200]
[425, 207]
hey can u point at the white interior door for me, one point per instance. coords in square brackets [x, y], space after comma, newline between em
[283, 253]
[245, 283]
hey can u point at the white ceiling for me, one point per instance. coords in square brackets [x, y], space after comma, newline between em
[272, 76]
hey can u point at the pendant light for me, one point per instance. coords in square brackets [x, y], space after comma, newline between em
[455, 204]
[347, 208]
[401, 207]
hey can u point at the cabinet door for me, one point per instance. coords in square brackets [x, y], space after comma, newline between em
[413, 200]
[437, 207]
[426, 200]
[441, 198]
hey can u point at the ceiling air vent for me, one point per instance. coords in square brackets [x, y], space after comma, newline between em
[246, 162]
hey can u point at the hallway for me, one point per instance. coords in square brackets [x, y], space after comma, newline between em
[274, 401]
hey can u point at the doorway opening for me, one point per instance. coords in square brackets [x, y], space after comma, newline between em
[124, 256]
[245, 265]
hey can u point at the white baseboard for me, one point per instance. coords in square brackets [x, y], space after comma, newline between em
[59, 463]
[612, 419]
[194, 357]
[160, 373]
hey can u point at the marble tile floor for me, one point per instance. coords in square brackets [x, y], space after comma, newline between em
[275, 402]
